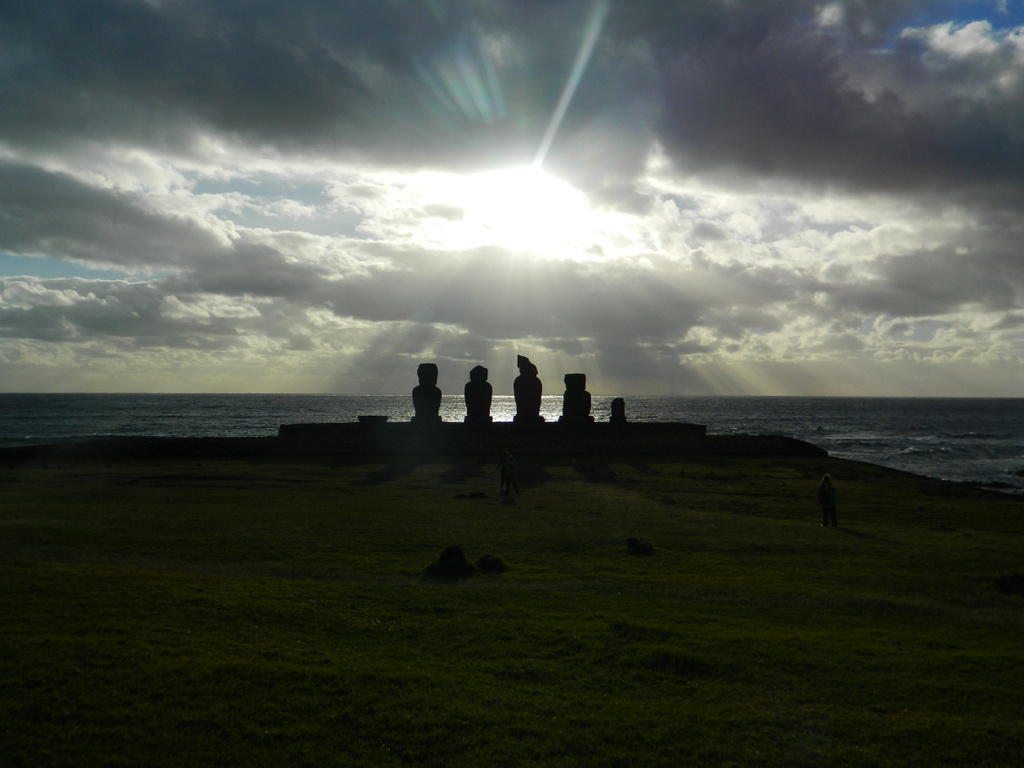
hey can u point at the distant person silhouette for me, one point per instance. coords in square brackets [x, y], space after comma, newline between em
[827, 500]
[507, 468]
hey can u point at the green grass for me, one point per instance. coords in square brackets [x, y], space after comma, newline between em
[228, 613]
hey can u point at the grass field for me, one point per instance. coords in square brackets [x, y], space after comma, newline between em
[260, 614]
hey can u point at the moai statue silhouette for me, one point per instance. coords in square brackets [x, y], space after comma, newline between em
[618, 411]
[426, 398]
[576, 400]
[528, 390]
[478, 397]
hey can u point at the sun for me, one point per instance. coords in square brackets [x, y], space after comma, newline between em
[522, 209]
[525, 208]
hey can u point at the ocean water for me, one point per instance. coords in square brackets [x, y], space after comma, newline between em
[965, 439]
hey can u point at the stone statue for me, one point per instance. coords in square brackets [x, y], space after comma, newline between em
[576, 400]
[478, 397]
[426, 398]
[527, 389]
[618, 411]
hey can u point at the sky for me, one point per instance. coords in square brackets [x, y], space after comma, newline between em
[722, 197]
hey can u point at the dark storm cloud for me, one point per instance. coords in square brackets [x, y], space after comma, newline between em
[407, 79]
[772, 95]
[936, 282]
[129, 314]
[252, 269]
[742, 85]
[135, 70]
[54, 214]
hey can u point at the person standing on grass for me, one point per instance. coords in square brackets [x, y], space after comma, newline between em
[827, 500]
[507, 467]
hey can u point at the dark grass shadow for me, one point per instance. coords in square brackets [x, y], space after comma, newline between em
[529, 475]
[397, 466]
[460, 471]
[594, 470]
[464, 468]
[861, 535]
[642, 467]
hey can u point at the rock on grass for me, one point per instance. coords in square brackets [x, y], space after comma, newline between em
[451, 565]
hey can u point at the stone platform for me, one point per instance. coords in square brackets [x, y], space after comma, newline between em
[441, 438]
[300, 441]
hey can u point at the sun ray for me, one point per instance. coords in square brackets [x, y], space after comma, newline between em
[591, 32]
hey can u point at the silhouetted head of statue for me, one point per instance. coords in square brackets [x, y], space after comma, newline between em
[427, 373]
[618, 409]
[526, 368]
[478, 374]
[575, 382]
